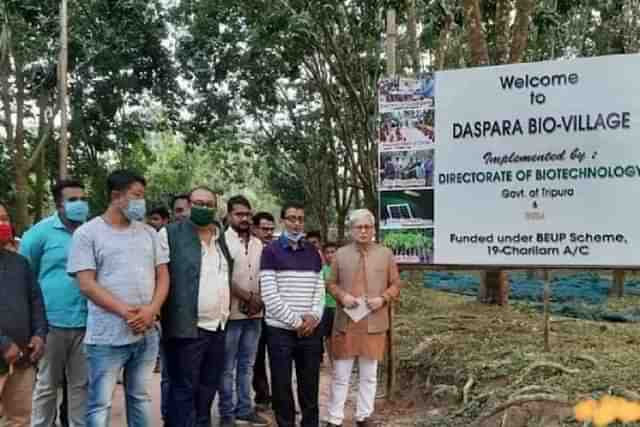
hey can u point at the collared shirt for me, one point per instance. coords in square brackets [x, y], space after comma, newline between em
[125, 262]
[213, 294]
[46, 246]
[291, 283]
[246, 268]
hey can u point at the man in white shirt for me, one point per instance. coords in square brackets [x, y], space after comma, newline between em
[195, 315]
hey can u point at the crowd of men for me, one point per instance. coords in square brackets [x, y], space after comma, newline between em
[88, 303]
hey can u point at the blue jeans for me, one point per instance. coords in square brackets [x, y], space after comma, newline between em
[105, 363]
[241, 348]
[195, 370]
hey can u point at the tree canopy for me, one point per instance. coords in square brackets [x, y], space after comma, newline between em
[276, 98]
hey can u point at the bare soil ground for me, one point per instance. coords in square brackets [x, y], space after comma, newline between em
[468, 364]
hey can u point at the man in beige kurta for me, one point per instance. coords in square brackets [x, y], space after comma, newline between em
[362, 272]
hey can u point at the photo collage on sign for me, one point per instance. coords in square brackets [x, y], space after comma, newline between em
[406, 141]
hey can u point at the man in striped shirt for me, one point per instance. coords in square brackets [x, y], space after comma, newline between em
[293, 294]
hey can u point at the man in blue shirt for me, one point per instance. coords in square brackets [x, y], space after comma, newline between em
[46, 246]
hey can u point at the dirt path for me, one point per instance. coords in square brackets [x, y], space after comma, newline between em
[395, 413]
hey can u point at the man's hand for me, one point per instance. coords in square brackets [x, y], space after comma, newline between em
[128, 312]
[142, 318]
[36, 345]
[309, 324]
[12, 354]
[375, 304]
[349, 301]
[255, 305]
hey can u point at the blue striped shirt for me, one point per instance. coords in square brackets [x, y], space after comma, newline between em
[291, 283]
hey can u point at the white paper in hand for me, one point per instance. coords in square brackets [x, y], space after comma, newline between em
[360, 312]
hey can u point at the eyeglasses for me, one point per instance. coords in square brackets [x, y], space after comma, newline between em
[76, 199]
[295, 219]
[363, 227]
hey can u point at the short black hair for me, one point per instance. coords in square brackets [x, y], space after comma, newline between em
[328, 245]
[238, 200]
[262, 215]
[160, 210]
[290, 205]
[122, 180]
[315, 234]
[181, 196]
[57, 189]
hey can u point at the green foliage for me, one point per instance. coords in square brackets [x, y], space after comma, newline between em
[175, 167]
[407, 240]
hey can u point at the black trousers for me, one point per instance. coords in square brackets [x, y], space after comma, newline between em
[285, 348]
[64, 405]
[195, 366]
[260, 378]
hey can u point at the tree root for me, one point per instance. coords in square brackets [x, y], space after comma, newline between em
[444, 390]
[477, 399]
[564, 320]
[468, 316]
[587, 358]
[505, 417]
[552, 365]
[542, 397]
[531, 389]
[625, 393]
[466, 391]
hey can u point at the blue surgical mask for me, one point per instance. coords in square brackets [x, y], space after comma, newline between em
[76, 211]
[294, 237]
[136, 210]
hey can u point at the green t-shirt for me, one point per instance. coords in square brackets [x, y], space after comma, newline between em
[4, 367]
[329, 300]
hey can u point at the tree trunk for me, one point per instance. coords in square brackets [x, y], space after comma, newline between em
[413, 36]
[392, 41]
[40, 190]
[631, 26]
[520, 30]
[617, 285]
[503, 16]
[494, 288]
[341, 219]
[475, 33]
[62, 77]
[443, 43]
[21, 219]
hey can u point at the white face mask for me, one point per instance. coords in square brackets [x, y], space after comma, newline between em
[294, 237]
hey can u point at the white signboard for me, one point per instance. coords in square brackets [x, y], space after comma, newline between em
[538, 164]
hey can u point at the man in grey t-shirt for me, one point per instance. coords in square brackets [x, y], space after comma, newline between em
[124, 275]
